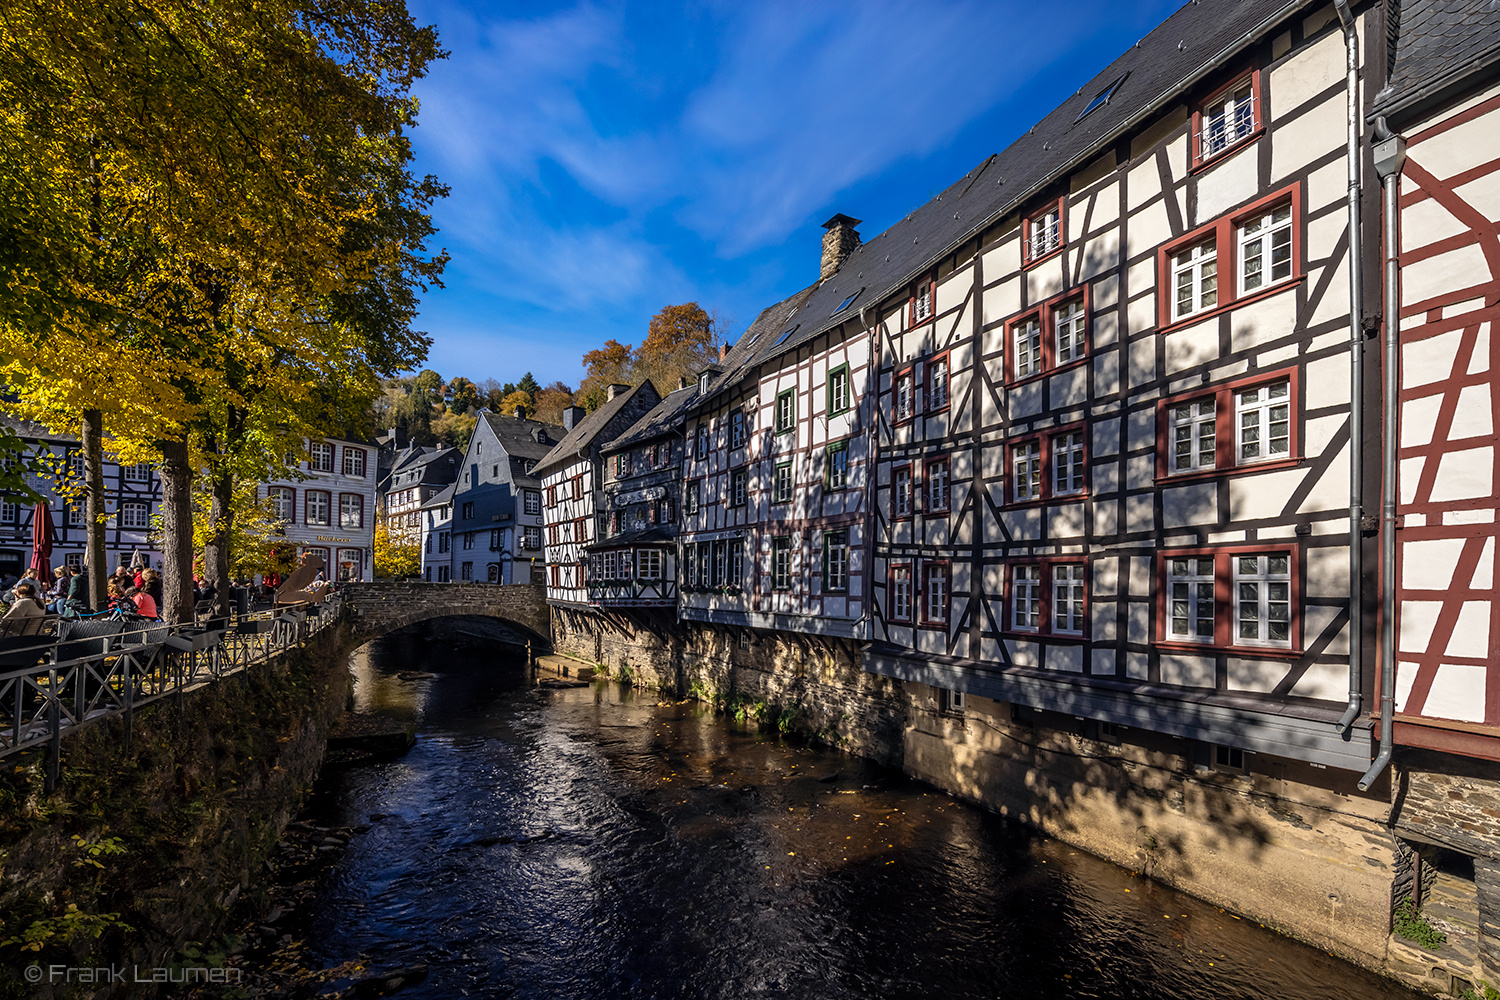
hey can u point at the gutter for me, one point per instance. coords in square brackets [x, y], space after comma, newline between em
[1390, 156]
[1356, 376]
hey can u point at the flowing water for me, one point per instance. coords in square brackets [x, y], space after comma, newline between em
[592, 843]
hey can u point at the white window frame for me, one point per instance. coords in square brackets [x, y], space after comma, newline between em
[1187, 421]
[739, 487]
[838, 465]
[1229, 119]
[1026, 597]
[901, 592]
[140, 473]
[357, 510]
[922, 303]
[648, 564]
[737, 429]
[1028, 347]
[781, 562]
[532, 500]
[901, 491]
[1195, 268]
[1069, 598]
[1259, 241]
[531, 538]
[1258, 590]
[905, 403]
[782, 483]
[354, 462]
[1069, 323]
[320, 456]
[836, 561]
[786, 411]
[838, 390]
[937, 385]
[1186, 597]
[1256, 422]
[324, 508]
[1069, 474]
[1026, 471]
[135, 515]
[736, 563]
[10, 513]
[938, 486]
[935, 593]
[1045, 233]
[284, 502]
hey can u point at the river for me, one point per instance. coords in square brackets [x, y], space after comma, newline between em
[594, 843]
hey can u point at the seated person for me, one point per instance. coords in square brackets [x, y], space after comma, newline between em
[26, 605]
[144, 604]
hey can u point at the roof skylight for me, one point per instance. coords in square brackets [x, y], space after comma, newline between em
[845, 304]
[1102, 98]
[789, 331]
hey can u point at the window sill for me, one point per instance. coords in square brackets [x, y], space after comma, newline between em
[1200, 165]
[1199, 475]
[933, 626]
[1027, 265]
[1058, 498]
[1038, 376]
[1244, 300]
[1057, 638]
[1208, 648]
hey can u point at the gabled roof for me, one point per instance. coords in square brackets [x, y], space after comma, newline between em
[663, 419]
[517, 435]
[586, 430]
[433, 468]
[1156, 72]
[1439, 43]
[440, 498]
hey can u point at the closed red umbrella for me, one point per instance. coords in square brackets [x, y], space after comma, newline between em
[41, 541]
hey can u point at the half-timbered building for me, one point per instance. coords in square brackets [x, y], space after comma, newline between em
[632, 564]
[572, 481]
[132, 496]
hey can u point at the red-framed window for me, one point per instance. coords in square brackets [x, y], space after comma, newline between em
[1043, 233]
[1228, 118]
[1248, 423]
[904, 395]
[578, 529]
[1230, 598]
[901, 592]
[577, 487]
[903, 491]
[938, 388]
[1051, 335]
[1052, 465]
[556, 572]
[937, 490]
[283, 502]
[552, 496]
[923, 302]
[937, 593]
[1047, 597]
[1239, 257]
[351, 510]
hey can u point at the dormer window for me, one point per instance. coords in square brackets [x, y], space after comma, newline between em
[1043, 233]
[1228, 117]
[703, 384]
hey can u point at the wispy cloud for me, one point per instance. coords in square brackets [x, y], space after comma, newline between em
[610, 158]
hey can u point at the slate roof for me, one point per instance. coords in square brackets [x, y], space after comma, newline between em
[655, 533]
[1157, 71]
[1438, 43]
[440, 498]
[663, 419]
[584, 432]
[742, 357]
[31, 430]
[515, 434]
[430, 469]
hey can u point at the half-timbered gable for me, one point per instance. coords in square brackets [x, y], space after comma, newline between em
[633, 563]
[416, 474]
[571, 484]
[1144, 309]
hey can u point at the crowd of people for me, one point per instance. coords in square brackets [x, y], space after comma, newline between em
[135, 591]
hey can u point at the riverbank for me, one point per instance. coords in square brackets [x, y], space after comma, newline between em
[135, 862]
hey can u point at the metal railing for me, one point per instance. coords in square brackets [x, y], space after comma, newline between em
[70, 682]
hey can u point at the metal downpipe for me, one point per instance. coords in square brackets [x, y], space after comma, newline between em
[1390, 155]
[1356, 375]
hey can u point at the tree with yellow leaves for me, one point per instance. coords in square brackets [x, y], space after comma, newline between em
[208, 226]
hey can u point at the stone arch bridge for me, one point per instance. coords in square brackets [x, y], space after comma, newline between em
[373, 609]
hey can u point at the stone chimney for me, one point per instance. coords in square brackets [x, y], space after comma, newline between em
[571, 416]
[682, 382]
[520, 413]
[614, 390]
[838, 243]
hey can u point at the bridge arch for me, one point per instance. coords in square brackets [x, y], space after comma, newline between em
[372, 610]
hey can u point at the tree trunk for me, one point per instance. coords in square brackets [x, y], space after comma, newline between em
[177, 525]
[94, 557]
[216, 554]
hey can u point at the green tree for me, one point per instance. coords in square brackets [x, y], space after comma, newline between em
[191, 189]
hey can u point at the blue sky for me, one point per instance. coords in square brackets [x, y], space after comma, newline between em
[607, 160]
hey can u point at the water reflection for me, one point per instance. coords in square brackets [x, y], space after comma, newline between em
[594, 843]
